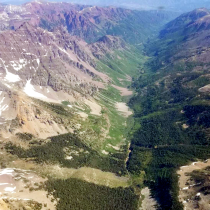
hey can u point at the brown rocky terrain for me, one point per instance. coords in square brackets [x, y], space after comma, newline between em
[51, 67]
[194, 185]
[106, 45]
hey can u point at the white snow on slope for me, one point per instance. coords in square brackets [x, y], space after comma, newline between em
[8, 171]
[30, 91]
[3, 107]
[10, 77]
[63, 50]
[38, 61]
[4, 16]
[9, 189]
[18, 65]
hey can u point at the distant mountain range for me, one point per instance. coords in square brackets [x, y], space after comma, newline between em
[171, 5]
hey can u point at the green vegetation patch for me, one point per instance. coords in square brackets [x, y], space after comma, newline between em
[122, 64]
[161, 166]
[24, 136]
[66, 103]
[171, 127]
[75, 194]
[69, 151]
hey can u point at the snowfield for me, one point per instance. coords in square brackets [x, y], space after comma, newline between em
[30, 91]
[3, 106]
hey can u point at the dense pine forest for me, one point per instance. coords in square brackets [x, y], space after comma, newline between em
[56, 150]
[83, 195]
[171, 127]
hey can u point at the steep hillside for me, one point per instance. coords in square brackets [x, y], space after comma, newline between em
[183, 40]
[172, 106]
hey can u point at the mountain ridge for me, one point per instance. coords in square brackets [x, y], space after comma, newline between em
[79, 21]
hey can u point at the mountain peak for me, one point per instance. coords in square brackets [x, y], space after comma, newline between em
[198, 13]
[39, 1]
[110, 41]
[25, 26]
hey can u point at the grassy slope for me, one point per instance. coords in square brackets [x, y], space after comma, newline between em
[118, 66]
[121, 64]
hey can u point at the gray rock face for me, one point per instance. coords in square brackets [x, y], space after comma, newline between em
[106, 45]
[49, 59]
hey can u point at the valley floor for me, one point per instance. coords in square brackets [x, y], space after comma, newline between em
[148, 203]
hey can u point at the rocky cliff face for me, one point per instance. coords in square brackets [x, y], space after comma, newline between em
[56, 60]
[49, 66]
[53, 52]
[107, 44]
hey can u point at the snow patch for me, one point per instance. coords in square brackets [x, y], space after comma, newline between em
[30, 91]
[10, 77]
[3, 107]
[4, 16]
[4, 183]
[69, 157]
[18, 65]
[7, 171]
[9, 189]
[38, 61]
[63, 50]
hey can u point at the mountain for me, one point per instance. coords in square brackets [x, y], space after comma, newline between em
[169, 5]
[87, 22]
[184, 39]
[42, 57]
[64, 83]
[43, 64]
[67, 75]
[172, 110]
